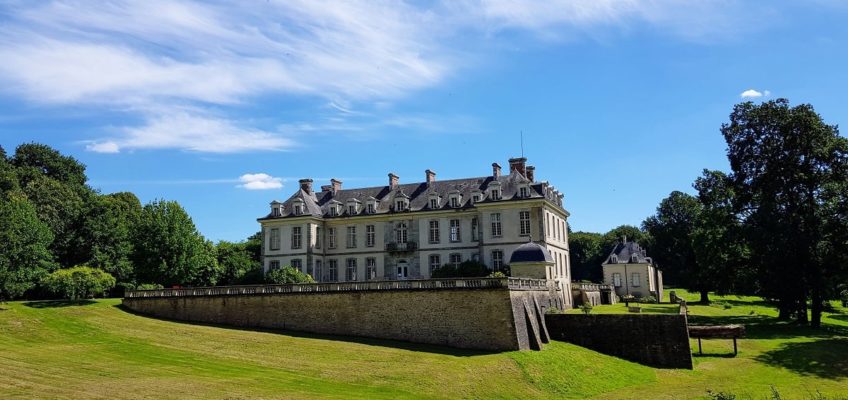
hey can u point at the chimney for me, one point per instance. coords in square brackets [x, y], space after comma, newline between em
[393, 180]
[531, 172]
[517, 165]
[496, 170]
[326, 188]
[430, 175]
[624, 239]
[336, 185]
[306, 185]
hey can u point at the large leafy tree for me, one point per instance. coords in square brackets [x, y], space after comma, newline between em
[788, 166]
[105, 238]
[615, 235]
[235, 262]
[671, 231]
[46, 161]
[169, 250]
[24, 254]
[61, 206]
[587, 254]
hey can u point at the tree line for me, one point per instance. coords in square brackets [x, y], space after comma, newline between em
[60, 237]
[774, 225]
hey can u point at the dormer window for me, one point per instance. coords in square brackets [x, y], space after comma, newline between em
[495, 193]
[334, 211]
[476, 196]
[401, 204]
[634, 259]
[352, 207]
[455, 200]
[297, 207]
[524, 192]
[613, 259]
[434, 202]
[276, 209]
[371, 207]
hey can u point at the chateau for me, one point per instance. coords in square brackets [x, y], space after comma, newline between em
[406, 230]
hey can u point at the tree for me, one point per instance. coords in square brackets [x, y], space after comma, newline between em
[671, 229]
[104, 239]
[24, 254]
[286, 275]
[587, 254]
[615, 235]
[79, 282]
[61, 207]
[169, 250]
[465, 269]
[235, 261]
[786, 162]
[48, 162]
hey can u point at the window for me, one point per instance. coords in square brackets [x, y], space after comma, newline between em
[496, 194]
[318, 237]
[350, 274]
[273, 265]
[634, 259]
[298, 209]
[434, 202]
[523, 192]
[275, 239]
[434, 231]
[296, 237]
[333, 270]
[369, 235]
[371, 208]
[524, 222]
[402, 270]
[497, 259]
[435, 262]
[613, 259]
[454, 231]
[351, 237]
[334, 211]
[496, 225]
[370, 268]
[331, 238]
[351, 209]
[400, 232]
[319, 277]
[297, 264]
[474, 229]
[455, 259]
[634, 279]
[400, 205]
[454, 201]
[275, 212]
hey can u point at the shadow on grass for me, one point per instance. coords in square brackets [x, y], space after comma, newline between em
[57, 303]
[839, 317]
[396, 344]
[765, 327]
[712, 355]
[821, 358]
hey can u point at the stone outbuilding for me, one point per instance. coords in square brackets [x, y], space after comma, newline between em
[630, 271]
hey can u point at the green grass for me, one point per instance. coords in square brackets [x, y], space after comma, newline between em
[97, 350]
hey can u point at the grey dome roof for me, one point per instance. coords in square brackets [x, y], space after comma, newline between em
[531, 253]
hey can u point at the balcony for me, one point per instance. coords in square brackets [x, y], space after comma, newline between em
[398, 247]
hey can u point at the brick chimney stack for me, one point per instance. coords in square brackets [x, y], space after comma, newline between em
[496, 170]
[336, 184]
[393, 180]
[430, 175]
[531, 172]
[306, 185]
[518, 165]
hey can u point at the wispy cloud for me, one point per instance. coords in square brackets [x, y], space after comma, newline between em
[752, 94]
[260, 181]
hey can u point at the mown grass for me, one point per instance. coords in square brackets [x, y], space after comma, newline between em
[95, 349]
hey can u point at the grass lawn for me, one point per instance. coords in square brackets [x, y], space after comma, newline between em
[95, 349]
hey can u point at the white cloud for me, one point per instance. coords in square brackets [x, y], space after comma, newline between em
[751, 94]
[260, 181]
[103, 147]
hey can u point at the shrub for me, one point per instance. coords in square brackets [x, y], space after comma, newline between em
[148, 286]
[720, 395]
[287, 274]
[648, 299]
[553, 310]
[497, 274]
[79, 282]
[586, 308]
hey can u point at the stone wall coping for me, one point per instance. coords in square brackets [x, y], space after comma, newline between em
[329, 287]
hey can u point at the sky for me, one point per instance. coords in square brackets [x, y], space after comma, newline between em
[223, 106]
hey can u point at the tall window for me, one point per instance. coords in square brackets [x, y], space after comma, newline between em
[275, 212]
[297, 264]
[275, 238]
[635, 279]
[319, 271]
[318, 237]
[370, 268]
[273, 265]
[434, 202]
[496, 194]
[332, 270]
[496, 225]
[371, 208]
[616, 279]
[434, 231]
[435, 262]
[454, 231]
[455, 259]
[369, 235]
[334, 211]
[331, 238]
[351, 209]
[351, 236]
[524, 222]
[474, 229]
[296, 237]
[400, 205]
[350, 274]
[298, 209]
[454, 201]
[497, 259]
[523, 192]
[400, 232]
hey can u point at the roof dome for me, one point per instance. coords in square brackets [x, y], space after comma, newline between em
[531, 253]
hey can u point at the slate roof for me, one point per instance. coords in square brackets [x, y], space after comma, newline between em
[317, 204]
[531, 252]
[628, 253]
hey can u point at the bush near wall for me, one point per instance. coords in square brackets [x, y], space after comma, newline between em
[79, 282]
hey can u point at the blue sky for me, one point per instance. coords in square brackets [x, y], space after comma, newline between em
[224, 107]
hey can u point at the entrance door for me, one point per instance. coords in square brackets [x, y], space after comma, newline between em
[402, 270]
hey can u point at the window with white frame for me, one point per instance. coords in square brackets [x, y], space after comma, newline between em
[475, 234]
[455, 200]
[613, 259]
[400, 232]
[434, 231]
[496, 225]
[523, 192]
[435, 262]
[495, 192]
[351, 209]
[276, 211]
[434, 202]
[296, 237]
[298, 208]
[351, 236]
[524, 222]
[635, 279]
[497, 259]
[401, 204]
[371, 207]
[455, 259]
[297, 264]
[274, 239]
[454, 231]
[334, 210]
[370, 234]
[332, 270]
[273, 265]
[331, 238]
[370, 268]
[319, 277]
[318, 237]
[350, 274]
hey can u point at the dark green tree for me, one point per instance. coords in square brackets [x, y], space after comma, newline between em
[48, 162]
[785, 162]
[61, 206]
[169, 250]
[615, 235]
[24, 254]
[235, 261]
[587, 254]
[79, 282]
[105, 237]
[287, 274]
